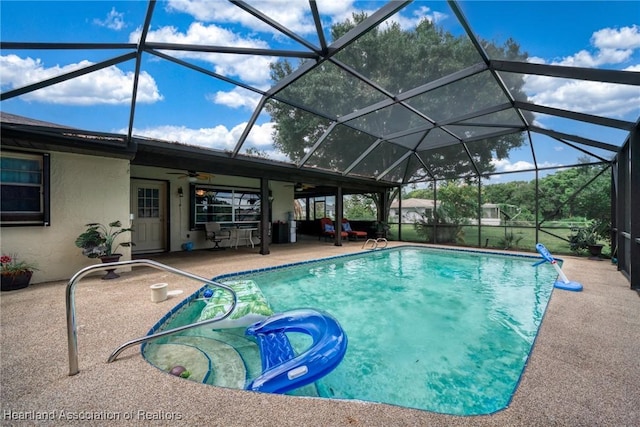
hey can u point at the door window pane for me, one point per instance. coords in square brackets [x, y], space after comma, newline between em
[148, 203]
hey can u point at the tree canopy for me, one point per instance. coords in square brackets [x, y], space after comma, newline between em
[579, 192]
[396, 60]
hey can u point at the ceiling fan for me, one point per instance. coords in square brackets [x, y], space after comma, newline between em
[298, 186]
[192, 175]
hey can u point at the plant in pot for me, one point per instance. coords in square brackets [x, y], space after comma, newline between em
[15, 274]
[99, 241]
[589, 238]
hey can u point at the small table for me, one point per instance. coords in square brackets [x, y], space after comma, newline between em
[244, 233]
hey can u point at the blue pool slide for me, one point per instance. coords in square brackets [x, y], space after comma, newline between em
[282, 369]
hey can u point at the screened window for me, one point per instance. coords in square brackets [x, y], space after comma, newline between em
[24, 180]
[228, 206]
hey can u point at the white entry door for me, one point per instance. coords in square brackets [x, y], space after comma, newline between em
[148, 205]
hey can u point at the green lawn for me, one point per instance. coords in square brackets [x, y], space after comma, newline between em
[524, 238]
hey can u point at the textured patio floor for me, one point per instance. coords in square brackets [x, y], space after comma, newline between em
[583, 370]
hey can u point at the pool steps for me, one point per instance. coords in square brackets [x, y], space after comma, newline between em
[246, 363]
[224, 368]
[72, 331]
[195, 360]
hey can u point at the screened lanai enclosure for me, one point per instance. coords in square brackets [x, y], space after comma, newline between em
[415, 100]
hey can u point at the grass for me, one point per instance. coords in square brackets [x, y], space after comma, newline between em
[524, 238]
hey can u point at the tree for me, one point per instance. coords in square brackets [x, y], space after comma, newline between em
[359, 207]
[419, 193]
[397, 60]
[561, 194]
[459, 202]
[516, 193]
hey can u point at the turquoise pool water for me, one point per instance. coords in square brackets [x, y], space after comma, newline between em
[440, 330]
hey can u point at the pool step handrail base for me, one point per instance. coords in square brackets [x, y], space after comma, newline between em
[375, 243]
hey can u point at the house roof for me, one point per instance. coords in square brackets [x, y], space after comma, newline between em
[413, 203]
[27, 133]
[417, 144]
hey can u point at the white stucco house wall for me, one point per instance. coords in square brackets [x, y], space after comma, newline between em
[55, 180]
[96, 189]
[83, 189]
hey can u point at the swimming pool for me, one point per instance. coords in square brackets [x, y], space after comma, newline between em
[447, 331]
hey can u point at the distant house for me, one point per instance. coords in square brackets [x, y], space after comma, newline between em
[491, 215]
[415, 209]
[412, 210]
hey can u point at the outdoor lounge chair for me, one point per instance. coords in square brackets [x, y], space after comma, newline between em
[353, 234]
[215, 234]
[327, 229]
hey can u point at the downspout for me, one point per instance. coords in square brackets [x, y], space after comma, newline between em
[400, 213]
[339, 215]
[480, 211]
[264, 219]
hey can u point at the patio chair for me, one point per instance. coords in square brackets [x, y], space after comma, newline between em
[216, 234]
[327, 229]
[353, 234]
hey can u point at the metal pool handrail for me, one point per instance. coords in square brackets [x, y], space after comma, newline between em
[72, 334]
[375, 242]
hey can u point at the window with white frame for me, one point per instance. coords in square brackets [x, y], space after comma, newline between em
[24, 182]
[231, 207]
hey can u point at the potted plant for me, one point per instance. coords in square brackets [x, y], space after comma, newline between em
[589, 238]
[99, 241]
[15, 274]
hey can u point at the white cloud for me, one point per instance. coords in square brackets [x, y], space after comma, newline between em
[113, 21]
[505, 165]
[236, 98]
[251, 69]
[254, 69]
[606, 99]
[623, 38]
[421, 13]
[219, 137]
[294, 15]
[261, 136]
[610, 47]
[108, 86]
[200, 34]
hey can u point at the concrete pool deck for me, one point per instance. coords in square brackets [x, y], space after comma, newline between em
[583, 370]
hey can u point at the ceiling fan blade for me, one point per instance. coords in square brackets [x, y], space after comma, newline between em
[298, 186]
[191, 174]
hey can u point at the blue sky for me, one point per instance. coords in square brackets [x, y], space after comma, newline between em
[195, 109]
